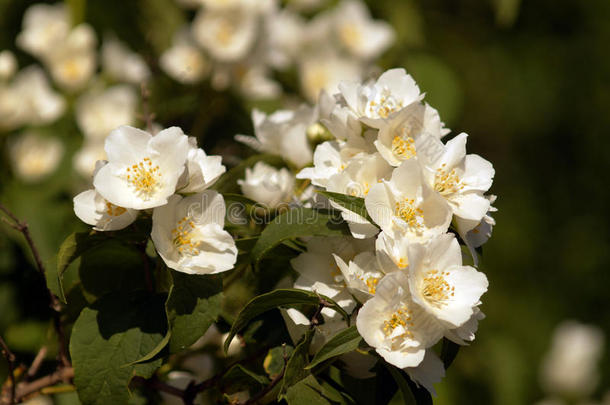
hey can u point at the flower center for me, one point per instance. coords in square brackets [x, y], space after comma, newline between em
[436, 289]
[144, 178]
[402, 318]
[384, 105]
[406, 211]
[114, 210]
[225, 33]
[371, 284]
[183, 235]
[447, 182]
[350, 35]
[403, 146]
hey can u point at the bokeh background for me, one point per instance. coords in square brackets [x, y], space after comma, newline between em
[528, 81]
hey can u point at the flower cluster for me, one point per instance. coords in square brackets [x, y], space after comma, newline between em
[403, 261]
[240, 43]
[169, 174]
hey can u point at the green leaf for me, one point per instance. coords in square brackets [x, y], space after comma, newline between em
[296, 223]
[308, 391]
[343, 342]
[354, 204]
[275, 359]
[239, 378]
[275, 299]
[295, 367]
[73, 247]
[117, 330]
[194, 303]
[227, 183]
[449, 351]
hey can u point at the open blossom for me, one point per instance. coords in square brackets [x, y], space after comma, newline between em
[407, 204]
[441, 285]
[94, 210]
[142, 170]
[358, 33]
[44, 26]
[376, 102]
[267, 185]
[227, 34]
[29, 99]
[361, 274]
[201, 170]
[356, 180]
[325, 70]
[86, 158]
[475, 233]
[398, 328]
[34, 157]
[184, 61]
[429, 372]
[407, 134]
[460, 178]
[283, 133]
[99, 112]
[123, 64]
[320, 272]
[188, 234]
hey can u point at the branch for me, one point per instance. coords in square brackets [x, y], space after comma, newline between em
[27, 388]
[55, 305]
[10, 359]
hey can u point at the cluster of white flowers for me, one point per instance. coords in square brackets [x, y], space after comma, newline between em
[241, 42]
[169, 174]
[69, 54]
[402, 262]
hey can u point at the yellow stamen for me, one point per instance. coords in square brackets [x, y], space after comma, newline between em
[436, 289]
[447, 182]
[407, 212]
[144, 178]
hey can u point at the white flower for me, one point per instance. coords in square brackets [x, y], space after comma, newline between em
[123, 64]
[430, 371]
[284, 30]
[188, 234]
[8, 65]
[358, 33]
[325, 71]
[256, 82]
[34, 157]
[361, 275]
[374, 103]
[392, 251]
[474, 233]
[440, 284]
[356, 180]
[337, 118]
[99, 112]
[44, 27]
[398, 328]
[84, 160]
[184, 61]
[319, 271]
[407, 204]
[571, 365]
[201, 170]
[142, 170]
[461, 179]
[94, 210]
[283, 133]
[228, 35]
[29, 99]
[407, 134]
[268, 185]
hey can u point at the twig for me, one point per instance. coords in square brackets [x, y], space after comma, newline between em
[10, 359]
[36, 363]
[22, 227]
[261, 394]
[27, 388]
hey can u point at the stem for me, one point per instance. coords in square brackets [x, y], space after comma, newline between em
[10, 358]
[36, 363]
[55, 305]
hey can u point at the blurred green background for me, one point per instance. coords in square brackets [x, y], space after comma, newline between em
[529, 82]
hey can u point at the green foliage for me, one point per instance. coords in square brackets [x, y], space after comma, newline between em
[343, 342]
[108, 336]
[275, 299]
[194, 303]
[298, 222]
[354, 204]
[295, 370]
